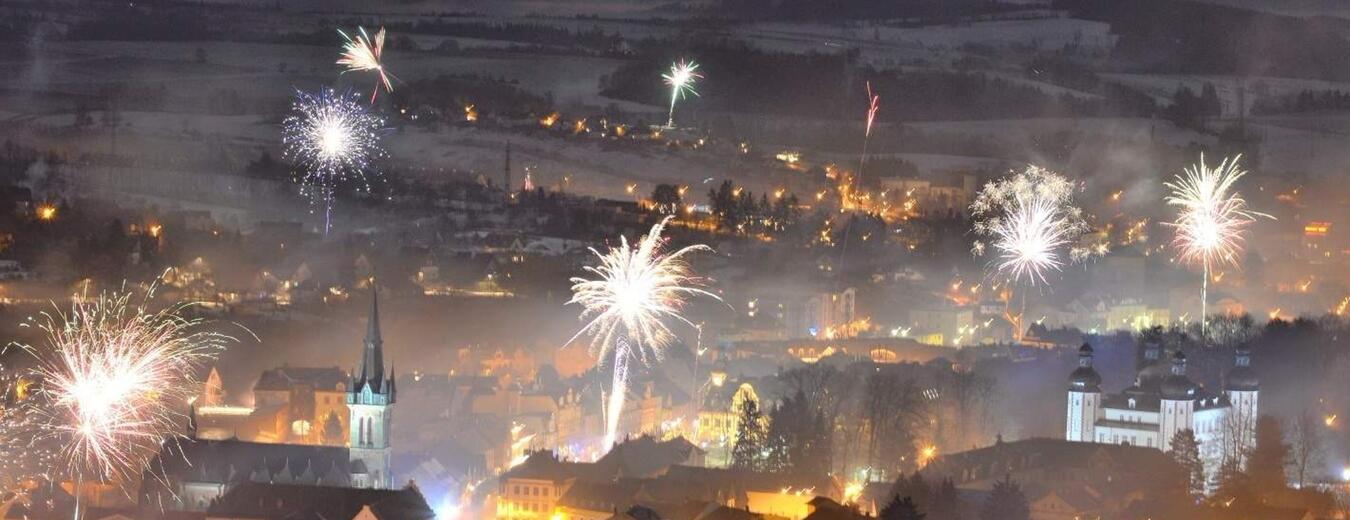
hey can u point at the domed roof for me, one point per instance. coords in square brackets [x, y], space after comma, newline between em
[1151, 375]
[1085, 378]
[1177, 386]
[1242, 378]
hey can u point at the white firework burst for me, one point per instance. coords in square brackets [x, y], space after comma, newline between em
[1031, 224]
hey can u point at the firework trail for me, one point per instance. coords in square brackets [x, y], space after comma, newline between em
[1211, 219]
[1032, 226]
[873, 105]
[361, 54]
[681, 80]
[637, 287]
[618, 391]
[111, 378]
[331, 137]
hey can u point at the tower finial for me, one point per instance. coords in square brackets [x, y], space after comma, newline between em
[373, 320]
[1179, 363]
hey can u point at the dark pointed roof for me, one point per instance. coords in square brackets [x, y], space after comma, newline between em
[231, 461]
[371, 371]
[264, 500]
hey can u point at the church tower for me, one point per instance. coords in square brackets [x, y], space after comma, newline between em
[1243, 387]
[370, 399]
[1178, 402]
[1085, 399]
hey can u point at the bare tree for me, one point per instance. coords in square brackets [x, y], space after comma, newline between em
[1306, 445]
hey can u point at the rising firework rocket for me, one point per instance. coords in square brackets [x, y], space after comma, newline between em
[681, 82]
[636, 288]
[331, 137]
[873, 105]
[361, 54]
[111, 376]
[1211, 219]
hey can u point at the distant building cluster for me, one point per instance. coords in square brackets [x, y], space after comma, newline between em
[1162, 402]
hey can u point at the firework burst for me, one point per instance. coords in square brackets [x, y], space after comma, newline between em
[1211, 218]
[681, 80]
[331, 137]
[111, 378]
[1031, 224]
[363, 54]
[636, 289]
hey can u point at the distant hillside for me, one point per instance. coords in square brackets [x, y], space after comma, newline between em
[1171, 36]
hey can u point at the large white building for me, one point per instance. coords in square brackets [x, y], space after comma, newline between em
[1161, 402]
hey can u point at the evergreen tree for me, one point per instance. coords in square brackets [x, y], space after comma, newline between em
[1006, 502]
[901, 509]
[750, 438]
[1210, 105]
[1267, 461]
[666, 199]
[798, 438]
[943, 504]
[725, 205]
[1186, 453]
[333, 432]
[913, 487]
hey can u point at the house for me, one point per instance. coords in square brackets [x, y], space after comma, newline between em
[309, 401]
[1061, 479]
[1067, 503]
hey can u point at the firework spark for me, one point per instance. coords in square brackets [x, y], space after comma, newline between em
[331, 137]
[873, 105]
[681, 82]
[1211, 218]
[23, 455]
[362, 53]
[1031, 223]
[636, 289]
[112, 376]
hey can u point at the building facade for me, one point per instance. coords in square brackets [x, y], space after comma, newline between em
[193, 472]
[1162, 402]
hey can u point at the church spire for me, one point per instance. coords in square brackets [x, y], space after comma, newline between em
[372, 358]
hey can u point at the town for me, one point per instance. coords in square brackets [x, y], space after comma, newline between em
[687, 260]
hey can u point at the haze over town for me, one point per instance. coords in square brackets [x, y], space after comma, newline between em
[678, 259]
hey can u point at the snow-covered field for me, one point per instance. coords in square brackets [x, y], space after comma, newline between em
[266, 70]
[1044, 33]
[1163, 86]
